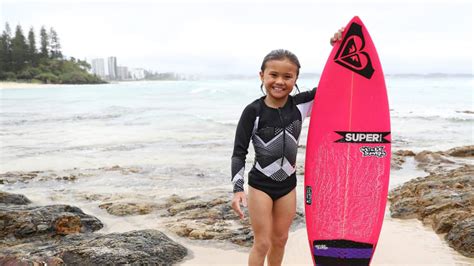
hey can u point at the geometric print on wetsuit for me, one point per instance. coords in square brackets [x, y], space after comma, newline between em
[270, 160]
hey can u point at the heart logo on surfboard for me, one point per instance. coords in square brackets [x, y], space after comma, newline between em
[351, 53]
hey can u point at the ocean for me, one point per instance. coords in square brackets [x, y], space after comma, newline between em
[190, 122]
[180, 133]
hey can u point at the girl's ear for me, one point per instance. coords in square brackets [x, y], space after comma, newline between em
[261, 75]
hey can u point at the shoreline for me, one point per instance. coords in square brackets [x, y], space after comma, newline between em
[401, 240]
[391, 250]
[7, 85]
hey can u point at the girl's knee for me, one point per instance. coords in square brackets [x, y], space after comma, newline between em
[279, 240]
[262, 245]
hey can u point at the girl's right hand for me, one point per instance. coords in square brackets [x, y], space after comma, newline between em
[239, 197]
[337, 36]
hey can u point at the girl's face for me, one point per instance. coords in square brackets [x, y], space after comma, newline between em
[279, 77]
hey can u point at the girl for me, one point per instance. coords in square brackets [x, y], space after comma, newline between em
[273, 122]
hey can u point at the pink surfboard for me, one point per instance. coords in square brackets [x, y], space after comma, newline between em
[348, 153]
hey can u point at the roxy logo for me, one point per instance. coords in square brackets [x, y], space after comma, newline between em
[351, 53]
[324, 247]
[373, 151]
[362, 137]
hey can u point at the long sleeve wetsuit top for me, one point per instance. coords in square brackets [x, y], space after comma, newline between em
[275, 134]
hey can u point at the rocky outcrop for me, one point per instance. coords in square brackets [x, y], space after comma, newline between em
[144, 247]
[433, 162]
[63, 235]
[126, 209]
[398, 158]
[461, 236]
[65, 175]
[211, 218]
[444, 200]
[465, 151]
[27, 223]
[17, 199]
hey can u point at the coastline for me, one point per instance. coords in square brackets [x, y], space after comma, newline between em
[7, 85]
[401, 242]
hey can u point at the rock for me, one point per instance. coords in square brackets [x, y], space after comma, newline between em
[136, 247]
[396, 162]
[125, 209]
[23, 223]
[404, 153]
[9, 198]
[461, 237]
[398, 158]
[404, 208]
[445, 200]
[443, 222]
[144, 247]
[466, 151]
[428, 158]
[211, 218]
[30, 260]
[67, 224]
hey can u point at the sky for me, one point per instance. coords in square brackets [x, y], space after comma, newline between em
[232, 37]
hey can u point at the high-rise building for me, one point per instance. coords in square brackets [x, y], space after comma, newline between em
[112, 67]
[98, 67]
[122, 73]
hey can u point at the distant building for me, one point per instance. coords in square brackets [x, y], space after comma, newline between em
[122, 73]
[112, 67]
[98, 67]
[137, 73]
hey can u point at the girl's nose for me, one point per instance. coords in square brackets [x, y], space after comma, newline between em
[280, 80]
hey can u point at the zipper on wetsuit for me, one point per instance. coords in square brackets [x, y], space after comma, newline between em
[284, 133]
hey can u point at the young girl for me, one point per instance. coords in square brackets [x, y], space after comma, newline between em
[273, 122]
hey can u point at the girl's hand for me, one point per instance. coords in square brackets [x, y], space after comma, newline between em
[337, 36]
[239, 197]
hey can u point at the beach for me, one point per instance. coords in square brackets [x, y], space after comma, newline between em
[391, 249]
[138, 157]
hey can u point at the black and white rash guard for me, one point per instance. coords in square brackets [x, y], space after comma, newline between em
[275, 134]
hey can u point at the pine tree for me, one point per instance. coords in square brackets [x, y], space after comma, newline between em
[19, 50]
[44, 50]
[32, 53]
[5, 50]
[55, 46]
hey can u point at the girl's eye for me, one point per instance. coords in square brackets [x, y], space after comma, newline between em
[273, 75]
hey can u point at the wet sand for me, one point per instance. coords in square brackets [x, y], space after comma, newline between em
[402, 242]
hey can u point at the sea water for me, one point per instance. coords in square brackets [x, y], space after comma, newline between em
[192, 123]
[181, 133]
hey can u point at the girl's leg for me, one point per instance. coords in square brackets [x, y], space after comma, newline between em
[284, 210]
[260, 212]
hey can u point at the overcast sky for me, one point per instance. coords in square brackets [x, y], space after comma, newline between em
[232, 37]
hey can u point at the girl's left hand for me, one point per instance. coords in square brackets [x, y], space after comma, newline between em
[337, 36]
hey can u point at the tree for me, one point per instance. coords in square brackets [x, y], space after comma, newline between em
[19, 50]
[32, 54]
[54, 43]
[44, 52]
[5, 50]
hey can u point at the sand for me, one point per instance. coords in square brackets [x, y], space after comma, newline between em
[402, 242]
[20, 85]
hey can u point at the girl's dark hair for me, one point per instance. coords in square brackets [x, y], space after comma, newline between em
[281, 54]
